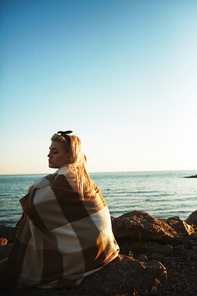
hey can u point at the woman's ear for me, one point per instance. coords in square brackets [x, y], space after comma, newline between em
[68, 157]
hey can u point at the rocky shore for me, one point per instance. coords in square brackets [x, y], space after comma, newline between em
[194, 176]
[157, 257]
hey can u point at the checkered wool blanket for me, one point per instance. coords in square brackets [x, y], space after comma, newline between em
[62, 237]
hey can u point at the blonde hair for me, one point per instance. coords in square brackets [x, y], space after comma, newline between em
[77, 163]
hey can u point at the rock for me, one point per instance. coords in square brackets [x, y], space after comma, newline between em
[142, 258]
[192, 219]
[8, 232]
[126, 276]
[161, 249]
[122, 275]
[194, 176]
[154, 291]
[180, 226]
[131, 224]
[186, 254]
[5, 251]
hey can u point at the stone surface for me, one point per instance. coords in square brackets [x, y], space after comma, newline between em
[181, 227]
[192, 219]
[8, 232]
[161, 249]
[5, 251]
[141, 274]
[138, 224]
[124, 275]
[143, 258]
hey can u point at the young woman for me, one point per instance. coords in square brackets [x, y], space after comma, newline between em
[65, 233]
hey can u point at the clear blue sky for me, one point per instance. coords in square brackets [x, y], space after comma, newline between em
[121, 74]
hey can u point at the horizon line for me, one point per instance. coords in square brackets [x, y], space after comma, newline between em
[102, 172]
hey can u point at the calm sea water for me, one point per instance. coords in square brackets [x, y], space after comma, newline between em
[161, 194]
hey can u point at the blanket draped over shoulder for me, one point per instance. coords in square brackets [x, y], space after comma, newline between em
[63, 237]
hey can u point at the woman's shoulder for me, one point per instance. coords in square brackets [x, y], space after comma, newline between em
[64, 171]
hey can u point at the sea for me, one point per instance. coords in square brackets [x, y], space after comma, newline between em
[162, 194]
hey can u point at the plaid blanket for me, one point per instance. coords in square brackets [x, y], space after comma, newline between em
[62, 238]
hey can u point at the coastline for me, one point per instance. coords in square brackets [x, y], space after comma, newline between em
[193, 176]
[174, 251]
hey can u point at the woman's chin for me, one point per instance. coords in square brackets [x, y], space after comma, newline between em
[52, 166]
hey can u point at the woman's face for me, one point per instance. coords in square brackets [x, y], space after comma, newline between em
[57, 155]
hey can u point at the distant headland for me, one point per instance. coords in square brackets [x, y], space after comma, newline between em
[194, 176]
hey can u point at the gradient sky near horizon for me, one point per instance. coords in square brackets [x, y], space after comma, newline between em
[121, 74]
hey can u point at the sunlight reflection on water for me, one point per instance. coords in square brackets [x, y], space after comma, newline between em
[161, 194]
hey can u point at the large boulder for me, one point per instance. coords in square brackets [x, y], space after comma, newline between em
[157, 248]
[8, 232]
[122, 275]
[141, 225]
[5, 251]
[192, 219]
[181, 227]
